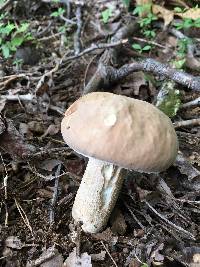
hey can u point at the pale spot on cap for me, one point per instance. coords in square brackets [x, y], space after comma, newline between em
[110, 120]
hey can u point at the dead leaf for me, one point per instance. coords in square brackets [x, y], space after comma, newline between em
[134, 263]
[192, 13]
[51, 130]
[75, 261]
[106, 236]
[99, 256]
[118, 222]
[49, 258]
[14, 242]
[56, 261]
[185, 167]
[50, 164]
[164, 13]
[192, 255]
[36, 127]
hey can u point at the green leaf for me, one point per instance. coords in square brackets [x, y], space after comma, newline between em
[7, 29]
[178, 9]
[136, 47]
[58, 13]
[17, 41]
[144, 265]
[23, 28]
[146, 48]
[28, 37]
[106, 14]
[179, 63]
[146, 8]
[168, 99]
[5, 51]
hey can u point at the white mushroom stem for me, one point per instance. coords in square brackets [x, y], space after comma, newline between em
[97, 194]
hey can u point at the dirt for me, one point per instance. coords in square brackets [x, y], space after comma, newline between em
[156, 220]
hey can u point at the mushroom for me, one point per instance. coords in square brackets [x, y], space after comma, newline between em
[116, 133]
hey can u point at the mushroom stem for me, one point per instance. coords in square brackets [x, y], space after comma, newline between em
[97, 194]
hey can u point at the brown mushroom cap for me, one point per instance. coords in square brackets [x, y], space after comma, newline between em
[127, 132]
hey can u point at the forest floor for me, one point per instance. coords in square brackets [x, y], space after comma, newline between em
[64, 45]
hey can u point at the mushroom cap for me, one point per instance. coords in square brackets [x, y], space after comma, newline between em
[127, 132]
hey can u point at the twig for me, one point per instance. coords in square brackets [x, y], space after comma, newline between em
[109, 254]
[45, 30]
[52, 177]
[192, 103]
[94, 47]
[191, 122]
[5, 5]
[5, 179]
[29, 97]
[24, 216]
[177, 228]
[47, 38]
[110, 57]
[148, 42]
[55, 195]
[134, 217]
[77, 35]
[67, 21]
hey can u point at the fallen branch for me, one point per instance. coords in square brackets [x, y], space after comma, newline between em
[187, 123]
[107, 75]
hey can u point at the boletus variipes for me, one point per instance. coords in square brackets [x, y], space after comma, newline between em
[116, 133]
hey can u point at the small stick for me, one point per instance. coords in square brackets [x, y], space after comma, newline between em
[134, 217]
[177, 228]
[77, 35]
[94, 47]
[24, 216]
[148, 42]
[5, 180]
[55, 195]
[109, 254]
[187, 123]
[192, 103]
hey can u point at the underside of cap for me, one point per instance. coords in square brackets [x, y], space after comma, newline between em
[127, 132]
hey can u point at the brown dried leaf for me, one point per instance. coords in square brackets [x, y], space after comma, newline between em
[164, 13]
[192, 13]
[75, 261]
[106, 236]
